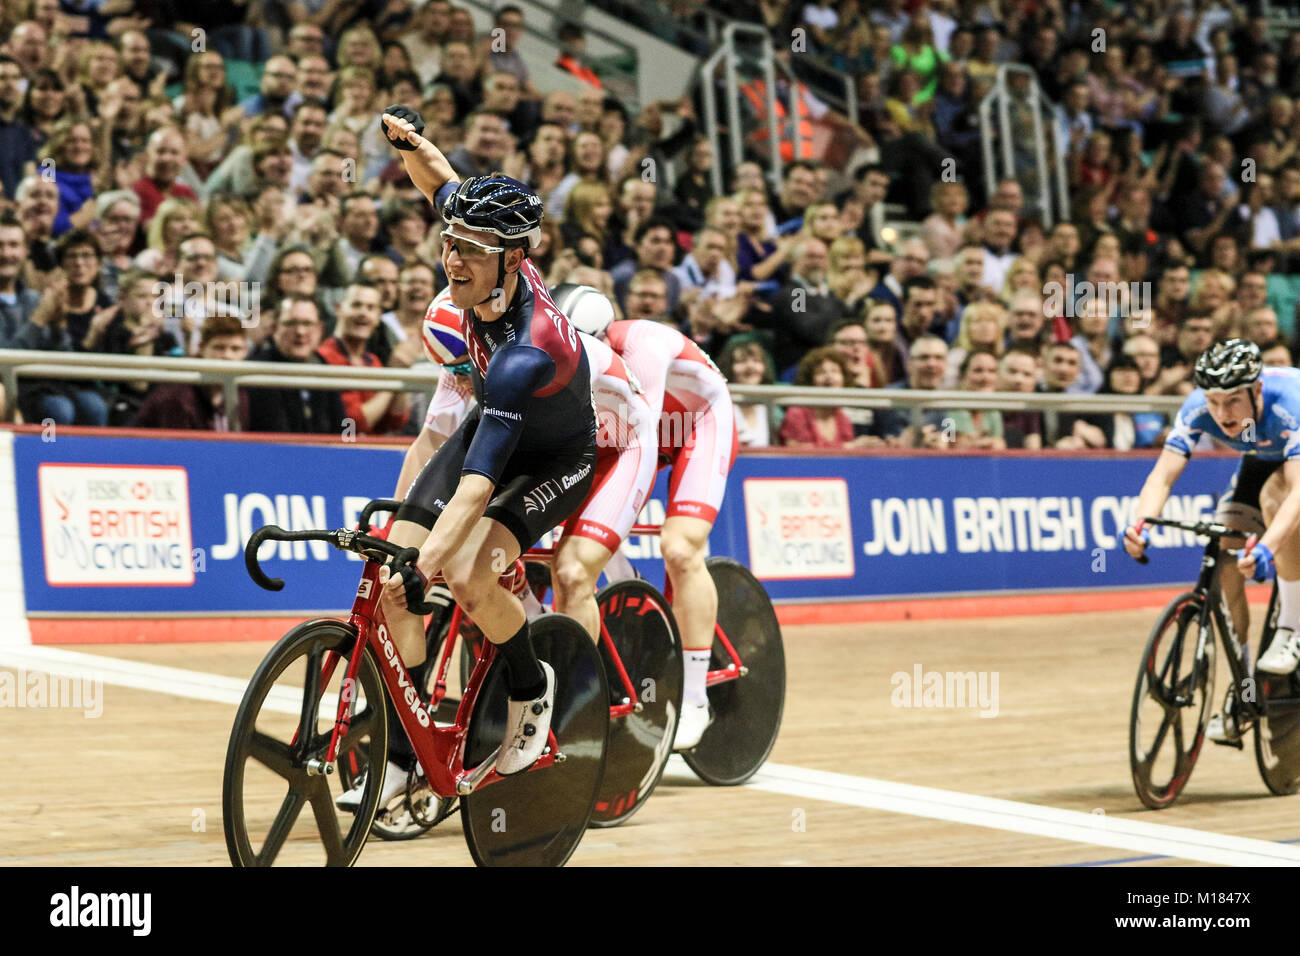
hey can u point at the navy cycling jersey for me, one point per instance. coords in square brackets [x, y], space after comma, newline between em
[530, 375]
[1276, 436]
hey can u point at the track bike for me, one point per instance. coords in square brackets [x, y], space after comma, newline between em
[314, 713]
[1173, 700]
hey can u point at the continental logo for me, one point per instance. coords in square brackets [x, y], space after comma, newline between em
[502, 413]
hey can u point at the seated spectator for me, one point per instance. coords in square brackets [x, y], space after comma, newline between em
[744, 361]
[705, 270]
[1194, 337]
[201, 407]
[1021, 277]
[910, 263]
[887, 354]
[164, 159]
[1093, 346]
[656, 247]
[849, 280]
[694, 187]
[1027, 325]
[174, 220]
[803, 310]
[942, 229]
[117, 219]
[71, 154]
[920, 308]
[586, 222]
[70, 305]
[295, 337]
[1145, 351]
[647, 296]
[822, 221]
[1261, 325]
[1127, 430]
[1018, 372]
[821, 426]
[759, 255]
[1071, 430]
[586, 162]
[240, 255]
[983, 326]
[372, 413]
[17, 301]
[980, 428]
[850, 337]
[1276, 354]
[927, 363]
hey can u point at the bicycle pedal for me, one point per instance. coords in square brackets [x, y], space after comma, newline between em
[1237, 744]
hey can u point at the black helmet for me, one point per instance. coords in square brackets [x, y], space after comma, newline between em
[1227, 366]
[497, 204]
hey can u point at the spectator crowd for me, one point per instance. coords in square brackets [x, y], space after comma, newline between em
[212, 181]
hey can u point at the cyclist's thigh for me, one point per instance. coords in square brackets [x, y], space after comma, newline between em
[1239, 506]
[701, 465]
[622, 483]
[1273, 493]
[536, 494]
[488, 552]
[437, 480]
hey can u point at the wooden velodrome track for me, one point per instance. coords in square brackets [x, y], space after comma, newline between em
[854, 779]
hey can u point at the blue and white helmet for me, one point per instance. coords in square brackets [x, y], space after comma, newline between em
[497, 204]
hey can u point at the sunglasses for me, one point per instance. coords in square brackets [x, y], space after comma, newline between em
[469, 249]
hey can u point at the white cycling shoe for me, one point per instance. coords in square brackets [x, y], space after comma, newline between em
[691, 726]
[394, 784]
[527, 725]
[1223, 729]
[1283, 653]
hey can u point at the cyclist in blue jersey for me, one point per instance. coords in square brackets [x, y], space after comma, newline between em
[519, 464]
[1255, 411]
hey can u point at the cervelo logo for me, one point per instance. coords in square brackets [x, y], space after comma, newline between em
[409, 695]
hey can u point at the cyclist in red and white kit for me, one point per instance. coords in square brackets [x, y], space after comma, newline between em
[698, 440]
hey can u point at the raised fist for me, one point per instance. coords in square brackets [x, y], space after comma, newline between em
[403, 127]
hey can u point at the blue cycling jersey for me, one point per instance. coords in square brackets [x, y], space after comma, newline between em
[1276, 436]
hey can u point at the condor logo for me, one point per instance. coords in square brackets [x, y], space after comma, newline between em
[412, 699]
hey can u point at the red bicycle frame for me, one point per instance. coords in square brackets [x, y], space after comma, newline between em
[440, 750]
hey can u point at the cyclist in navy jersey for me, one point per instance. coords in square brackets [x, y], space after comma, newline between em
[519, 464]
[1256, 411]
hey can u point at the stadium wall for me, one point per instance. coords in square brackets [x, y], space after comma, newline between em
[126, 536]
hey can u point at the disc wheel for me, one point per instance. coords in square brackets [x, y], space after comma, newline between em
[747, 710]
[645, 637]
[1277, 732]
[283, 725]
[1172, 703]
[537, 818]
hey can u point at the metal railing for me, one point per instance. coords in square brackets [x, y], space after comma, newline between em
[231, 376]
[1000, 97]
[16, 364]
[729, 55]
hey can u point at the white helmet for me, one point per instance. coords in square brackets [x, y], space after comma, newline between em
[586, 308]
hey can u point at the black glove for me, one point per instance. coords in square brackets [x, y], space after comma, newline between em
[408, 114]
[415, 584]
